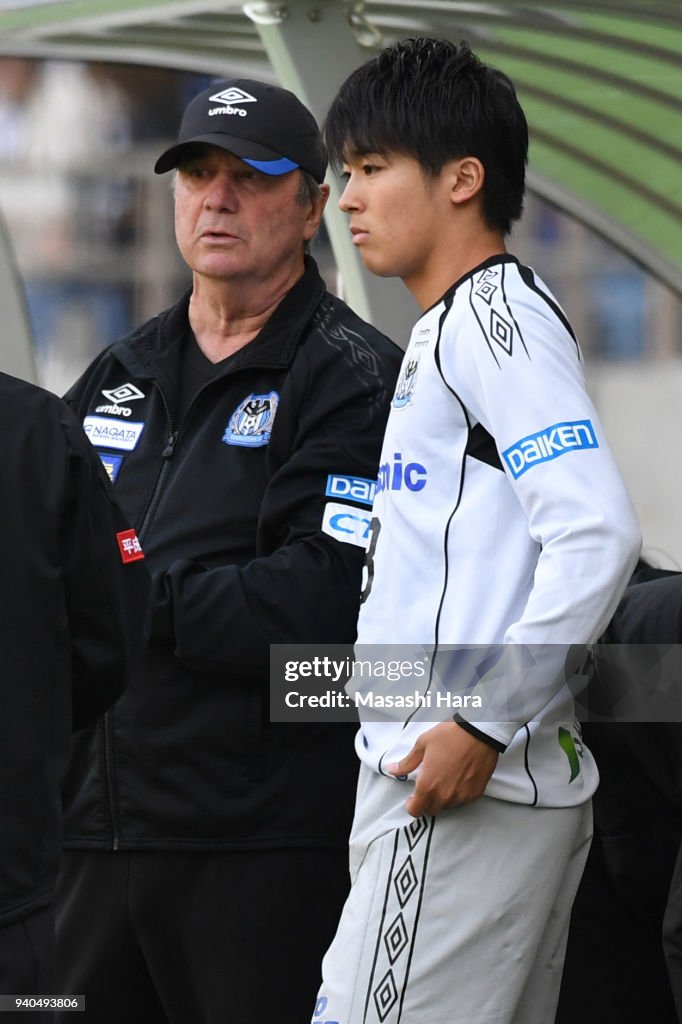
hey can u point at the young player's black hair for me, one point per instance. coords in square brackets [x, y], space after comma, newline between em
[435, 101]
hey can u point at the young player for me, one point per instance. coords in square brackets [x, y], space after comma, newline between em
[500, 519]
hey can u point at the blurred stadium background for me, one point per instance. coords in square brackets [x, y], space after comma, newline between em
[92, 90]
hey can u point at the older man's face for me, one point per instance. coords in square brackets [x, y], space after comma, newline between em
[232, 222]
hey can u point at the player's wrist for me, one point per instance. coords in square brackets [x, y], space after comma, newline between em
[490, 741]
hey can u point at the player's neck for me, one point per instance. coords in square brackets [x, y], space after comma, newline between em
[454, 254]
[224, 318]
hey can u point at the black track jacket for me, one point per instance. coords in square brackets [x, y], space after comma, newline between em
[229, 504]
[73, 596]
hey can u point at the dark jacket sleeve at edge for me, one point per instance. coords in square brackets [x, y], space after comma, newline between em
[106, 599]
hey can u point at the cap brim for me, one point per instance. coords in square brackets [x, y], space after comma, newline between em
[263, 159]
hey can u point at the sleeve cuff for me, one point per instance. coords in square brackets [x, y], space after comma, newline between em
[477, 734]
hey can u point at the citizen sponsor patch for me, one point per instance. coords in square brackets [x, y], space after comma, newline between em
[347, 524]
[355, 488]
[105, 432]
[250, 425]
[112, 464]
[129, 546]
[549, 444]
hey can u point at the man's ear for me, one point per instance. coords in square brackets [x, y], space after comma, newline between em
[467, 175]
[316, 210]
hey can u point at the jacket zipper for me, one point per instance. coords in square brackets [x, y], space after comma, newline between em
[108, 724]
[166, 456]
[107, 727]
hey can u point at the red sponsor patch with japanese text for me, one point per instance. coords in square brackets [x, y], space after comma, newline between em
[129, 546]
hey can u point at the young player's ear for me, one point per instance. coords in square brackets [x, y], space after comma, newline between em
[466, 179]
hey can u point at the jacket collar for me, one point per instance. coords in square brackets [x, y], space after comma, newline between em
[152, 350]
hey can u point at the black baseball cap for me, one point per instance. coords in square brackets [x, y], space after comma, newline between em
[264, 125]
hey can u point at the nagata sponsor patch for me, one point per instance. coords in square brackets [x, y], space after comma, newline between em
[105, 432]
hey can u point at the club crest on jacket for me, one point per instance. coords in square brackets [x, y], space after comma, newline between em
[250, 425]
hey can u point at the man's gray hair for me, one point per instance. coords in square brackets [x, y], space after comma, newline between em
[308, 189]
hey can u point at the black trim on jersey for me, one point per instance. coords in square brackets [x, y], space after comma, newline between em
[528, 278]
[478, 735]
[492, 261]
[380, 930]
[527, 767]
[447, 304]
[481, 446]
[480, 324]
[511, 315]
[446, 532]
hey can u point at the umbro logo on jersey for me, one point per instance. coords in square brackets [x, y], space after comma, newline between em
[548, 444]
[230, 100]
[124, 393]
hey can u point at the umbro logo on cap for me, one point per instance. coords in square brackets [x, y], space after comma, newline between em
[233, 97]
[264, 125]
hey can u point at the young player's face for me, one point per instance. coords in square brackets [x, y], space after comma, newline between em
[396, 215]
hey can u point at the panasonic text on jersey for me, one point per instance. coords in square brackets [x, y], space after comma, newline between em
[393, 476]
[548, 444]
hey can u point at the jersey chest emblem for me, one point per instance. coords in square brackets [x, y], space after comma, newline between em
[406, 382]
[250, 425]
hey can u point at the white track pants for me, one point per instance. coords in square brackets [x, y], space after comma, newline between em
[457, 919]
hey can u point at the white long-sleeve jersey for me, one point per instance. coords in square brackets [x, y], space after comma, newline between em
[500, 518]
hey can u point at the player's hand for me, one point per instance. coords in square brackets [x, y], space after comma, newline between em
[455, 768]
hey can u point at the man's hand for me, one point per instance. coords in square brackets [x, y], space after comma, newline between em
[455, 768]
